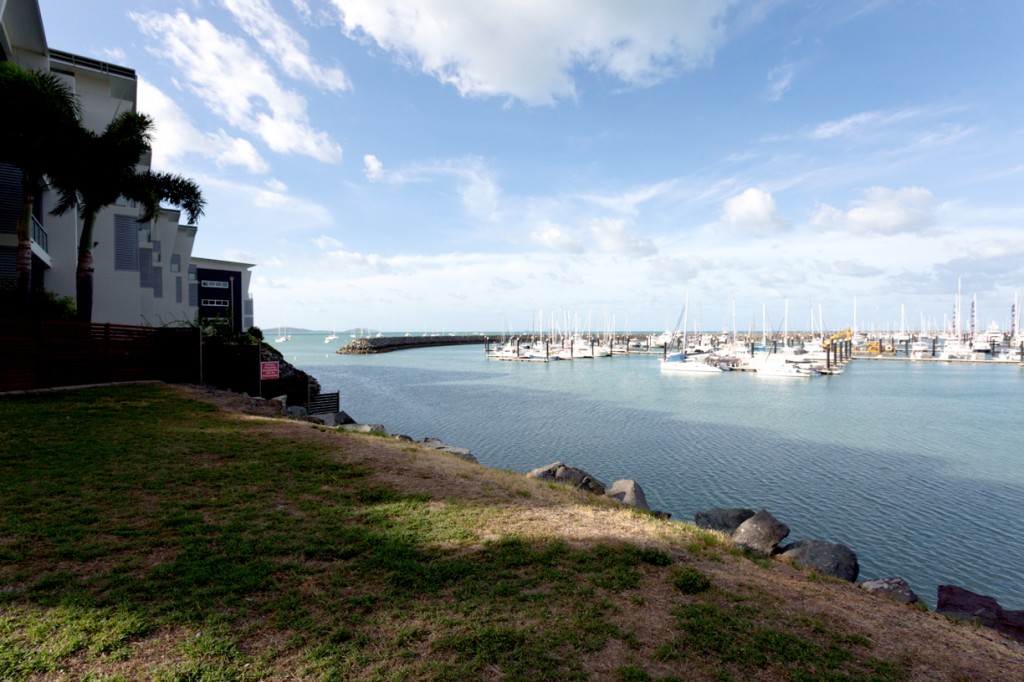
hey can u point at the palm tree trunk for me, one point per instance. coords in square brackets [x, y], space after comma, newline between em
[23, 262]
[84, 272]
[83, 285]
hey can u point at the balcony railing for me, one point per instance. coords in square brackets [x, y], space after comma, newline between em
[39, 235]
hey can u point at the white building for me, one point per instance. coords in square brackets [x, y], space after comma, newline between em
[144, 272]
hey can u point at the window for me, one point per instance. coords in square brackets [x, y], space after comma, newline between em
[210, 284]
[175, 262]
[146, 269]
[215, 303]
[126, 244]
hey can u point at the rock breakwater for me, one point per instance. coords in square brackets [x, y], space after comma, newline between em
[386, 344]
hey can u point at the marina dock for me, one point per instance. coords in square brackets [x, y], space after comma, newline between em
[544, 348]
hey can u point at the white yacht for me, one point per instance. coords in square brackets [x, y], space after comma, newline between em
[920, 350]
[679, 362]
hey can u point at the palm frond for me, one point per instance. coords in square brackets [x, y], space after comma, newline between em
[151, 189]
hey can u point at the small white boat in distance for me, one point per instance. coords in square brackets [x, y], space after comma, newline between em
[678, 362]
[786, 370]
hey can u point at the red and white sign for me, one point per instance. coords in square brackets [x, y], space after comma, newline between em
[270, 370]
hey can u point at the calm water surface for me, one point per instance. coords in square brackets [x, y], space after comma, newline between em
[918, 467]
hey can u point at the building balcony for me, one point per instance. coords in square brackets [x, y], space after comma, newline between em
[40, 242]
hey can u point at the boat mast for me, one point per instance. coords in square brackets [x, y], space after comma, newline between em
[974, 325]
[1014, 319]
[764, 328]
[686, 308]
[785, 325]
[855, 316]
[734, 321]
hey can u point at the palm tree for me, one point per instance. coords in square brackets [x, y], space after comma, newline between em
[39, 116]
[106, 168]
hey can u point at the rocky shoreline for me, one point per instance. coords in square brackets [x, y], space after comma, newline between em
[758, 533]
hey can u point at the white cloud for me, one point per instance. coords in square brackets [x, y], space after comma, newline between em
[115, 55]
[373, 169]
[338, 256]
[284, 44]
[852, 268]
[235, 84]
[676, 268]
[845, 126]
[478, 191]
[943, 136]
[780, 80]
[629, 202]
[753, 209]
[475, 185]
[529, 49]
[882, 211]
[274, 203]
[613, 235]
[302, 7]
[865, 121]
[557, 238]
[176, 137]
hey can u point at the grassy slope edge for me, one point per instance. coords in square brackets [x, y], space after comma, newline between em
[146, 533]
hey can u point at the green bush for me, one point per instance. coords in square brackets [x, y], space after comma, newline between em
[689, 580]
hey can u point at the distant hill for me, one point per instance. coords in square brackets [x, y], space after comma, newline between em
[358, 331]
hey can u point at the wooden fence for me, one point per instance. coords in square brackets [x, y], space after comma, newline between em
[49, 353]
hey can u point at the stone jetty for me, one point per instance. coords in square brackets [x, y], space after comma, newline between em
[386, 344]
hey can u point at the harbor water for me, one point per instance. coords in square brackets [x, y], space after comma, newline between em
[918, 467]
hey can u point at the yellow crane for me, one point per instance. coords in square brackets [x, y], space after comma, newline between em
[844, 335]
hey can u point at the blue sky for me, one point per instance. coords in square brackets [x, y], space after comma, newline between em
[466, 164]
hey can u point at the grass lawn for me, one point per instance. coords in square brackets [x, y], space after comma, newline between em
[148, 535]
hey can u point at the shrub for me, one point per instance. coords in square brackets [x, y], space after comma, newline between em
[689, 580]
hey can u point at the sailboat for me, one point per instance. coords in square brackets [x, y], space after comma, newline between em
[679, 362]
[953, 347]
[333, 336]
[282, 337]
[782, 364]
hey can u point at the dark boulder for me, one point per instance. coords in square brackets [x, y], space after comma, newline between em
[895, 588]
[724, 520]
[957, 602]
[824, 557]
[628, 491]
[545, 473]
[560, 473]
[364, 428]
[438, 444]
[761, 533]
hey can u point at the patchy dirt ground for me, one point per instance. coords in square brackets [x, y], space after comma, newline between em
[932, 646]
